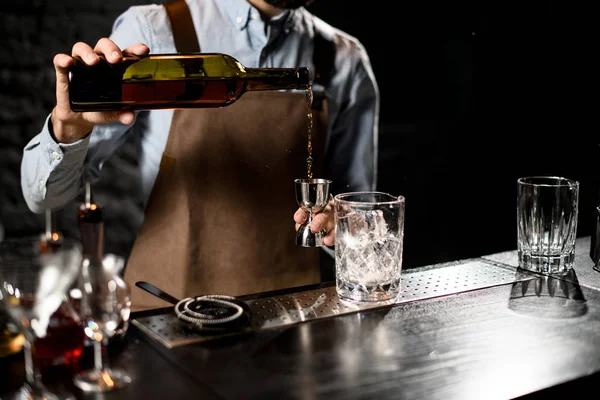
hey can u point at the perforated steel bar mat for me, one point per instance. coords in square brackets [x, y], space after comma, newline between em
[276, 311]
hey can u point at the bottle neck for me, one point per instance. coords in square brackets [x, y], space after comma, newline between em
[91, 229]
[276, 78]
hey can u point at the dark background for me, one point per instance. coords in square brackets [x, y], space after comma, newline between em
[473, 95]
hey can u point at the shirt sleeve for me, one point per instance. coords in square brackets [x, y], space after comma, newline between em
[49, 169]
[351, 158]
[51, 172]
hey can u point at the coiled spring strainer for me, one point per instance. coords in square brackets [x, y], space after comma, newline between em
[199, 313]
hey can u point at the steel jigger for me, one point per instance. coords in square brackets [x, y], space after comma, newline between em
[312, 196]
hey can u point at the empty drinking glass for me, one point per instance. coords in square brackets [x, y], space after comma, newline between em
[103, 304]
[547, 209]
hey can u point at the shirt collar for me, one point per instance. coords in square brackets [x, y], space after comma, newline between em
[240, 12]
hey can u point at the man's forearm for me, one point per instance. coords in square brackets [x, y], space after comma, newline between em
[51, 173]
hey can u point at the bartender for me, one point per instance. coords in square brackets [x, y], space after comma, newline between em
[221, 221]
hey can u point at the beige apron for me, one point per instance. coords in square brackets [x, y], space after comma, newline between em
[219, 219]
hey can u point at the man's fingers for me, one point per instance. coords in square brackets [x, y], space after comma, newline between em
[62, 62]
[70, 126]
[126, 117]
[85, 52]
[138, 49]
[329, 239]
[300, 217]
[323, 221]
[109, 49]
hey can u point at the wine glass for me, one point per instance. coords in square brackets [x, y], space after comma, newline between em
[104, 306]
[34, 280]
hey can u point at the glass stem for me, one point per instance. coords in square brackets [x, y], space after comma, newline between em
[100, 355]
[31, 374]
[29, 371]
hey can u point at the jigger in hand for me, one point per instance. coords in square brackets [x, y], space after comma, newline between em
[312, 196]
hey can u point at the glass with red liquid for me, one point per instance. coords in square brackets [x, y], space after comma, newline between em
[64, 341]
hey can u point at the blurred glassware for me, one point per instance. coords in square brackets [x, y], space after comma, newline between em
[595, 242]
[104, 307]
[33, 284]
[64, 341]
[11, 338]
[101, 299]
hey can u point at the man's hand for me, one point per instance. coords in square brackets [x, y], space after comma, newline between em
[69, 126]
[324, 220]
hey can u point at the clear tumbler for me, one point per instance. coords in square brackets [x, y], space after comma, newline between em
[368, 245]
[547, 210]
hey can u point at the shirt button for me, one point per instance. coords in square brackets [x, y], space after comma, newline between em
[56, 155]
[254, 16]
[238, 20]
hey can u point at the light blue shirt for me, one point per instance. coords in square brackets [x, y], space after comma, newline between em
[51, 173]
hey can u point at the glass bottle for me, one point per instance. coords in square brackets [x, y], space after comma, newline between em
[173, 81]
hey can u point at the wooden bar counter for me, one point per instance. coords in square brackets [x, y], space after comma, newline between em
[530, 338]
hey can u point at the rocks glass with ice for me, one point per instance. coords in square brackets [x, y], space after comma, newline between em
[368, 245]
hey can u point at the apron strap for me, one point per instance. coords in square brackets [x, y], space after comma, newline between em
[182, 25]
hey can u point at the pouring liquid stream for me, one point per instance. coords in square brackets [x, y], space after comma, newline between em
[309, 159]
